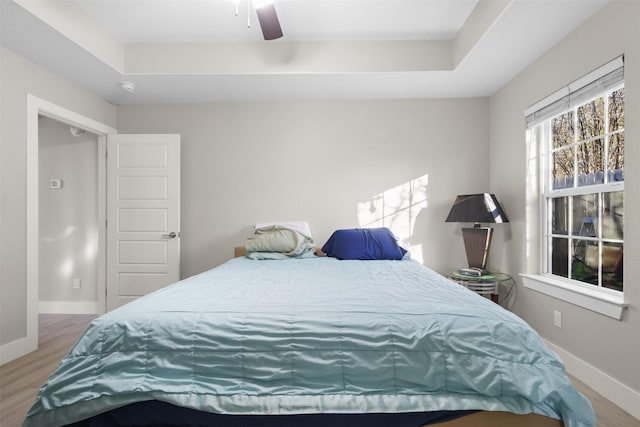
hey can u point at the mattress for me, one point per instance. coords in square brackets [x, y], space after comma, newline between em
[311, 336]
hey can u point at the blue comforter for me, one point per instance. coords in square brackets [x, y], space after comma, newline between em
[313, 335]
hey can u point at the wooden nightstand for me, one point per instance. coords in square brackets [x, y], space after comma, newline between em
[487, 286]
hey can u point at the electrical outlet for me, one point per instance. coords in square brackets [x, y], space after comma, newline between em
[77, 283]
[557, 319]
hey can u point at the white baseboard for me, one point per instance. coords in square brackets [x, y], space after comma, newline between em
[68, 307]
[18, 348]
[610, 388]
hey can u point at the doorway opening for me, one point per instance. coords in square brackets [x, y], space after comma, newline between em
[69, 241]
[37, 108]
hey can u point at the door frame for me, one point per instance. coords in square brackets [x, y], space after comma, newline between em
[39, 107]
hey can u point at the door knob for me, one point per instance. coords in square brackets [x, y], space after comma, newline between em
[171, 235]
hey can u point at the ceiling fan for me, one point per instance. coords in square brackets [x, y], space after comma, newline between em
[268, 18]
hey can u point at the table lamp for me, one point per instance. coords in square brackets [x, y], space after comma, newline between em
[477, 208]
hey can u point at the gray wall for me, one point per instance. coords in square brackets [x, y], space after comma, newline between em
[247, 163]
[609, 345]
[18, 77]
[68, 219]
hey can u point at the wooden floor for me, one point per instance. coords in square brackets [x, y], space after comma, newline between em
[21, 379]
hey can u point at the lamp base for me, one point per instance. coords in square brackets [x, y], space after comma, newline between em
[477, 241]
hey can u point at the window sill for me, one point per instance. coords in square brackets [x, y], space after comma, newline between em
[608, 304]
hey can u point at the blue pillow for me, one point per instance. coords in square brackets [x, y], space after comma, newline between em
[363, 244]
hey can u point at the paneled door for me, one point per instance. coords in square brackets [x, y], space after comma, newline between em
[143, 215]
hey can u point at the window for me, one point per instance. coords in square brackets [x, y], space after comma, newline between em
[578, 138]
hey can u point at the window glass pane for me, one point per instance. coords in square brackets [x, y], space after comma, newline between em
[616, 110]
[612, 265]
[613, 215]
[560, 215]
[615, 167]
[560, 256]
[562, 130]
[591, 119]
[585, 215]
[584, 265]
[591, 162]
[562, 171]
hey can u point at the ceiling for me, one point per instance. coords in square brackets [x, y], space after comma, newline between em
[185, 51]
[215, 20]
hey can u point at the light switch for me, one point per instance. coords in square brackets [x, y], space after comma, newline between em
[55, 184]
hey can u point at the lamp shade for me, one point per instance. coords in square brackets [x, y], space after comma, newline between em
[477, 208]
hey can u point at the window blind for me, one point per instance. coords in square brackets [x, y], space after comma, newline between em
[578, 92]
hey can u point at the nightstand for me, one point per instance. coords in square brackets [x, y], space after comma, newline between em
[487, 286]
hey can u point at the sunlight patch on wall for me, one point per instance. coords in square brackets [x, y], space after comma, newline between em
[66, 268]
[91, 245]
[397, 209]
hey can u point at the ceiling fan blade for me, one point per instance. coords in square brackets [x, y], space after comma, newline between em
[269, 22]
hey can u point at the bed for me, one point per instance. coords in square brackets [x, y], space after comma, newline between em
[311, 341]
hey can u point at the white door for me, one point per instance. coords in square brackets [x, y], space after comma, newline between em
[143, 215]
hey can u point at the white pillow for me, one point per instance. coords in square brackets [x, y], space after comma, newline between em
[300, 226]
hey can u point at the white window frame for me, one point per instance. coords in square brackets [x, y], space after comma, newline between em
[596, 298]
